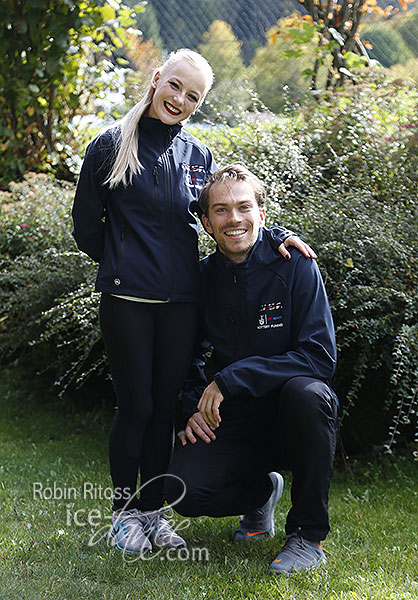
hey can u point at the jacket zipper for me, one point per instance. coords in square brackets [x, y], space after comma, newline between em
[155, 175]
[238, 318]
[169, 213]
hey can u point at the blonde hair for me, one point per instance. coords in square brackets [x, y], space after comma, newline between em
[127, 162]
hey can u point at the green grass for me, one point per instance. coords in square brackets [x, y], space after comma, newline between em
[372, 550]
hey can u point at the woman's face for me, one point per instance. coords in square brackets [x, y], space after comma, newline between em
[178, 93]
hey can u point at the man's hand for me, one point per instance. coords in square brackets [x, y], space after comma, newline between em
[196, 425]
[294, 240]
[209, 405]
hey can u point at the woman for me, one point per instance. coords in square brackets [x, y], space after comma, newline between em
[133, 213]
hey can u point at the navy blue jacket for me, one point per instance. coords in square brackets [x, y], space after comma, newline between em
[267, 319]
[145, 235]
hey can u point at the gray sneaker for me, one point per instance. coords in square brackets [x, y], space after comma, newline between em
[127, 532]
[298, 554]
[260, 522]
[159, 531]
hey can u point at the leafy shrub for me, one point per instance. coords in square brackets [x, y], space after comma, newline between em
[45, 284]
[343, 174]
[70, 329]
[37, 216]
[30, 285]
[366, 135]
[409, 70]
[268, 146]
[371, 277]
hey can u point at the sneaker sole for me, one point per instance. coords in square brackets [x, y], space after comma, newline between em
[277, 496]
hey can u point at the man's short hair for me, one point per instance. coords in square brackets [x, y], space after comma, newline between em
[231, 173]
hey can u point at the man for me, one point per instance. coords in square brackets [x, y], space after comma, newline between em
[269, 405]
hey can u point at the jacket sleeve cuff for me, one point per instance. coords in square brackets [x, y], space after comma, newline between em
[277, 234]
[222, 385]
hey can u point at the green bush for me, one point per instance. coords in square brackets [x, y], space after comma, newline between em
[341, 172]
[37, 216]
[70, 330]
[45, 283]
[366, 136]
[30, 285]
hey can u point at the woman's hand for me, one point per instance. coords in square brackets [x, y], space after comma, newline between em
[294, 240]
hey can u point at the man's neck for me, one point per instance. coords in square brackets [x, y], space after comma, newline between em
[234, 258]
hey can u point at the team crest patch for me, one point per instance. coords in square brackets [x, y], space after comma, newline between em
[195, 175]
[270, 315]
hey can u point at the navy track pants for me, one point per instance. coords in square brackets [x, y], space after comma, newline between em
[294, 430]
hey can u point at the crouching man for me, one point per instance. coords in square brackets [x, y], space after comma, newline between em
[269, 406]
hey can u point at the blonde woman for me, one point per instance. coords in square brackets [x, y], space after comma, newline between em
[134, 213]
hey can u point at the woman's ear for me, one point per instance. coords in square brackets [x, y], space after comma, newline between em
[155, 79]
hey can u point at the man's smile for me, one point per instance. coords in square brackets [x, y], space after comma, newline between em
[235, 232]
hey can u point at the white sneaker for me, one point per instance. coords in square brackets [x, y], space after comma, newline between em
[159, 530]
[127, 531]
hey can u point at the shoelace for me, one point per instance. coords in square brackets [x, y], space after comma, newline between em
[159, 518]
[294, 543]
[128, 520]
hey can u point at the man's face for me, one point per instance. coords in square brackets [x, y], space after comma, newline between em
[234, 218]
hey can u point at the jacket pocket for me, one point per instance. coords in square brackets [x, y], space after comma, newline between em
[121, 249]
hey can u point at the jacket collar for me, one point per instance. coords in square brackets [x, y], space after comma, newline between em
[158, 130]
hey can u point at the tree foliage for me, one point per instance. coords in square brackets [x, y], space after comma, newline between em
[223, 51]
[145, 57]
[334, 26]
[277, 76]
[48, 74]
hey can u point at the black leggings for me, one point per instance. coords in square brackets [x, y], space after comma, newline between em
[295, 430]
[150, 348]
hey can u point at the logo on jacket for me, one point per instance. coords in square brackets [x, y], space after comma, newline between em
[195, 175]
[270, 316]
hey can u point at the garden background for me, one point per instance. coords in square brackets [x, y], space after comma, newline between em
[325, 117]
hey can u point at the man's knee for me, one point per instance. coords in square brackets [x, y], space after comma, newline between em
[307, 398]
